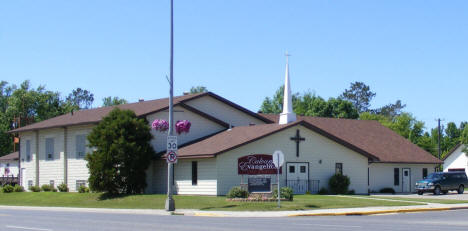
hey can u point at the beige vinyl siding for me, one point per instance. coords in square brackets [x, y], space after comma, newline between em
[201, 127]
[77, 170]
[51, 169]
[28, 166]
[206, 184]
[312, 150]
[159, 179]
[381, 175]
[222, 111]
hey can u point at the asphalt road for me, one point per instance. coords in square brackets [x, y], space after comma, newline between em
[18, 220]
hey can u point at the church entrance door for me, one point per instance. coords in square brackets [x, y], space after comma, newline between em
[297, 177]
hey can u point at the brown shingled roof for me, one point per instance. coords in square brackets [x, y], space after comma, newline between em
[143, 108]
[11, 156]
[369, 138]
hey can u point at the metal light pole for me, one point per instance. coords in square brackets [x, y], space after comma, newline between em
[170, 203]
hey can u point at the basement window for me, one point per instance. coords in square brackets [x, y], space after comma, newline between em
[80, 183]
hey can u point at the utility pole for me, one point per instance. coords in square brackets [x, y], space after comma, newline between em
[170, 203]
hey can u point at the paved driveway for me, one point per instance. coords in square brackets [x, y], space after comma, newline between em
[449, 196]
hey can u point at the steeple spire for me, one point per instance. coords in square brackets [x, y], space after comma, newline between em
[288, 114]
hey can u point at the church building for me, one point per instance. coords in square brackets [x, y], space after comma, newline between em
[229, 146]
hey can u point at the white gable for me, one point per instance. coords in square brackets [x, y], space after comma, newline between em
[201, 127]
[456, 160]
[223, 111]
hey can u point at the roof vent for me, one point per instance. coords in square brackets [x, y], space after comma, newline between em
[251, 124]
[141, 100]
[186, 93]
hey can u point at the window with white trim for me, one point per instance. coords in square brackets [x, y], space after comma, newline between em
[49, 148]
[28, 150]
[80, 145]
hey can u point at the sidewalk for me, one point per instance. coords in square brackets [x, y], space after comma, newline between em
[317, 212]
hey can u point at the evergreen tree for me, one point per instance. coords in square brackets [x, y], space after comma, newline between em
[122, 153]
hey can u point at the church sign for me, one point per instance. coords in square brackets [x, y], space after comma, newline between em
[256, 164]
[257, 184]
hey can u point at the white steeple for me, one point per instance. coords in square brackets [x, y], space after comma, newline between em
[288, 114]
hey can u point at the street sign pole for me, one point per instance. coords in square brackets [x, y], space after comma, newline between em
[278, 160]
[170, 203]
[278, 183]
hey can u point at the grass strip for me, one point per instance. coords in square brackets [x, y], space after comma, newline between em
[213, 203]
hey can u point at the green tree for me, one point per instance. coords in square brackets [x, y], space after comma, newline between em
[390, 110]
[309, 104]
[360, 95]
[198, 89]
[464, 139]
[274, 105]
[112, 101]
[122, 153]
[80, 98]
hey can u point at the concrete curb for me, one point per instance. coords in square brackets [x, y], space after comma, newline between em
[366, 213]
[189, 212]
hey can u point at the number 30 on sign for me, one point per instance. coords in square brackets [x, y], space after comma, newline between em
[172, 143]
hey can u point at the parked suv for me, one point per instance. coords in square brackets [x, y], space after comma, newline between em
[442, 182]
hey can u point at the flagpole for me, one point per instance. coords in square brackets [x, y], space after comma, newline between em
[170, 203]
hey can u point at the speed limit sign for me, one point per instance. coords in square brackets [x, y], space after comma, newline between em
[172, 143]
[171, 157]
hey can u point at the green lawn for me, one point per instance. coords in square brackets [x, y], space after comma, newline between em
[96, 200]
[428, 200]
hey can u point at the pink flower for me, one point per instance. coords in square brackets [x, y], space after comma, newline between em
[160, 125]
[183, 126]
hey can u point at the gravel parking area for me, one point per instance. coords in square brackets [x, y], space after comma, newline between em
[449, 196]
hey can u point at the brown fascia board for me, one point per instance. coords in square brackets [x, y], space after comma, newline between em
[234, 105]
[51, 127]
[201, 156]
[452, 151]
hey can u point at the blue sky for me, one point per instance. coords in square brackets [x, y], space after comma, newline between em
[416, 51]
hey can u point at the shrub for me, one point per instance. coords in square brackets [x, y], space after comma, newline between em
[62, 187]
[339, 184]
[122, 153]
[351, 192]
[285, 192]
[54, 190]
[387, 190]
[19, 188]
[46, 188]
[323, 191]
[237, 192]
[83, 189]
[35, 189]
[8, 188]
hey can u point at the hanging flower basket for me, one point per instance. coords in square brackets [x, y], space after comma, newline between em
[160, 125]
[182, 126]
